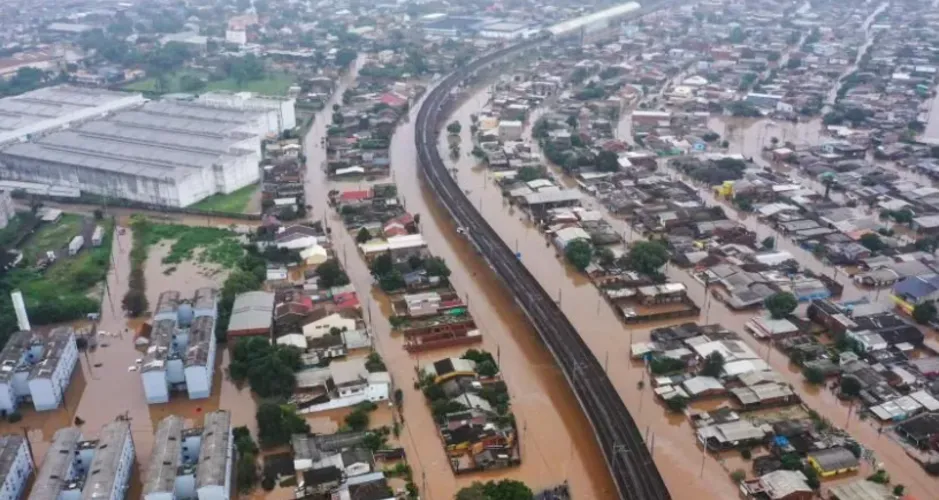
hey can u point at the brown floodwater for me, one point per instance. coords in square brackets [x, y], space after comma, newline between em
[556, 441]
[675, 450]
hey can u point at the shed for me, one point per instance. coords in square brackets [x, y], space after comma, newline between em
[252, 314]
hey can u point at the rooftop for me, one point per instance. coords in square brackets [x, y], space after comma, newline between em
[215, 453]
[56, 464]
[164, 460]
[103, 470]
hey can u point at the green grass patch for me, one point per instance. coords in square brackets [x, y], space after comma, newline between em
[275, 84]
[234, 202]
[52, 237]
[61, 293]
[219, 246]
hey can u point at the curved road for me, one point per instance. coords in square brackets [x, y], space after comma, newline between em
[629, 461]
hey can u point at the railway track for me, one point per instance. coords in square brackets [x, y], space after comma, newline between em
[629, 461]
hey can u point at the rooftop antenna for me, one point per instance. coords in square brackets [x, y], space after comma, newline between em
[22, 319]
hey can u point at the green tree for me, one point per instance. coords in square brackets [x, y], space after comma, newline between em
[487, 369]
[276, 423]
[677, 403]
[247, 472]
[357, 420]
[738, 475]
[436, 266]
[507, 489]
[391, 281]
[135, 302]
[768, 243]
[579, 253]
[924, 313]
[813, 375]
[363, 236]
[330, 274]
[382, 265]
[607, 161]
[713, 365]
[647, 257]
[345, 56]
[872, 242]
[850, 386]
[781, 304]
[454, 127]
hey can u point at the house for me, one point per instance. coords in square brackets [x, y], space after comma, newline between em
[926, 225]
[325, 325]
[833, 461]
[917, 289]
[252, 314]
[859, 490]
[780, 485]
[450, 368]
[319, 481]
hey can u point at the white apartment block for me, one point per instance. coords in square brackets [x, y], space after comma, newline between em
[16, 466]
[76, 469]
[190, 464]
[181, 355]
[37, 367]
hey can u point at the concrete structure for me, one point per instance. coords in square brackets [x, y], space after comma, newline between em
[74, 469]
[37, 367]
[191, 463]
[181, 355]
[6, 208]
[278, 111]
[16, 466]
[236, 36]
[165, 152]
[594, 22]
[113, 461]
[57, 107]
[252, 314]
[503, 30]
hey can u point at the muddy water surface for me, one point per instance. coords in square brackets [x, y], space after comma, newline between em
[675, 452]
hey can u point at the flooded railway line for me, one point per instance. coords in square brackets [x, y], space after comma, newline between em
[628, 460]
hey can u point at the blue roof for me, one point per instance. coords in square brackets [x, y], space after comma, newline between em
[917, 287]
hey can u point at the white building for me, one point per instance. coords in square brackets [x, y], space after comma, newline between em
[191, 463]
[16, 466]
[503, 30]
[58, 107]
[109, 473]
[37, 367]
[181, 355]
[236, 36]
[75, 469]
[278, 111]
[164, 153]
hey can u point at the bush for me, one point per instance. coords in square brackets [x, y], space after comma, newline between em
[781, 304]
[135, 302]
[813, 375]
[738, 475]
[677, 403]
[746, 453]
[924, 313]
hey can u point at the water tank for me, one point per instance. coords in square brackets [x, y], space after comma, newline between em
[184, 315]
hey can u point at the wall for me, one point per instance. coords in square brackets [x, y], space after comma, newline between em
[198, 383]
[155, 387]
[7, 399]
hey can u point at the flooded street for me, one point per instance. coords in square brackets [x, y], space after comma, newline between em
[556, 440]
[609, 339]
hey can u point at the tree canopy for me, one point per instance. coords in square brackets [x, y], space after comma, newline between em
[276, 423]
[607, 161]
[647, 257]
[330, 274]
[579, 253]
[781, 304]
[924, 313]
[506, 489]
[269, 369]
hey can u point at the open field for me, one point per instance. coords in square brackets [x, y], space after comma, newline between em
[273, 84]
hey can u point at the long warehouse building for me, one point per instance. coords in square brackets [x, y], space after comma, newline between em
[171, 153]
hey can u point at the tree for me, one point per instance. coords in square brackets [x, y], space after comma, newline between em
[647, 257]
[487, 369]
[391, 281]
[330, 274]
[713, 365]
[607, 161]
[436, 266]
[872, 242]
[276, 423]
[768, 243]
[898, 490]
[813, 375]
[506, 489]
[781, 304]
[363, 236]
[579, 253]
[247, 472]
[676, 404]
[374, 363]
[135, 302]
[189, 83]
[738, 475]
[850, 386]
[382, 265]
[345, 56]
[454, 127]
[357, 420]
[811, 477]
[924, 313]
